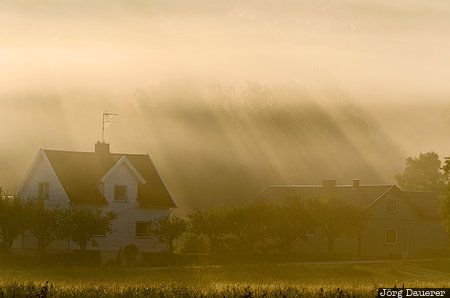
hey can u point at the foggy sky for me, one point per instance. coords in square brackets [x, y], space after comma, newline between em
[180, 74]
[375, 48]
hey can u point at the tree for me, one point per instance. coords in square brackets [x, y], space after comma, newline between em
[12, 220]
[292, 221]
[336, 217]
[44, 224]
[168, 229]
[82, 225]
[423, 173]
[252, 222]
[358, 223]
[131, 252]
[444, 211]
[214, 223]
[446, 169]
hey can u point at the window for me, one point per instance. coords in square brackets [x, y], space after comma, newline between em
[43, 190]
[391, 236]
[143, 228]
[120, 192]
[392, 207]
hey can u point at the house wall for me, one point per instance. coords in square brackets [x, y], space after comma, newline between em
[128, 213]
[43, 172]
[125, 225]
[414, 233]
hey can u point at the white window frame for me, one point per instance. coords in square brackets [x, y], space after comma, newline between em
[126, 193]
[150, 229]
[45, 190]
[396, 207]
[396, 236]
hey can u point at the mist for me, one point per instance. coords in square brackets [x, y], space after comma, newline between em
[228, 96]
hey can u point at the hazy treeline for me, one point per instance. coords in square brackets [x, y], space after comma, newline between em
[262, 226]
[255, 227]
[20, 217]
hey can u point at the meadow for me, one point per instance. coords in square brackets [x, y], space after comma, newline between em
[283, 280]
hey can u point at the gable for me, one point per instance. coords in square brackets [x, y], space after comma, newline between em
[404, 208]
[120, 179]
[423, 204]
[42, 171]
[121, 165]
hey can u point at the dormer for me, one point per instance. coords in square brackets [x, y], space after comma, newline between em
[120, 183]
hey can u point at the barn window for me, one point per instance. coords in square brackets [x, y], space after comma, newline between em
[391, 236]
[392, 207]
[143, 228]
[43, 190]
[120, 192]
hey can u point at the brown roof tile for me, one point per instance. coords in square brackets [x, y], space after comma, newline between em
[425, 203]
[80, 173]
[363, 194]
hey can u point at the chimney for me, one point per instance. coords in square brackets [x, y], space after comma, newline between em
[355, 184]
[101, 148]
[329, 183]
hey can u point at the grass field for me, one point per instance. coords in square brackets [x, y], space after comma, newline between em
[306, 280]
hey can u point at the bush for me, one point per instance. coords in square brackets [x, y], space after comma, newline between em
[131, 253]
[196, 244]
[234, 245]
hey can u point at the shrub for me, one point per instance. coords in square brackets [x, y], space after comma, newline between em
[131, 252]
[81, 225]
[196, 244]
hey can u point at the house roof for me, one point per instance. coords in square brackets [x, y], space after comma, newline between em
[425, 203]
[81, 172]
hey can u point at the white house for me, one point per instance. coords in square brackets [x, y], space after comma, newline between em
[127, 184]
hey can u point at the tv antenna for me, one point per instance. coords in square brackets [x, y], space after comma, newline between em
[106, 120]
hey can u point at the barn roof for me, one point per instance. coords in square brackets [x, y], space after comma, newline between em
[81, 172]
[425, 203]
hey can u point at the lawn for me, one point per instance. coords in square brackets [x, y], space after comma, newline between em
[305, 280]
